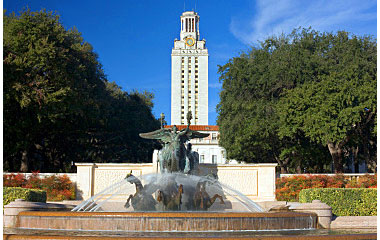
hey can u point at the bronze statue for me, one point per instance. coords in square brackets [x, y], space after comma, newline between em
[172, 201]
[192, 161]
[174, 153]
[202, 200]
[141, 201]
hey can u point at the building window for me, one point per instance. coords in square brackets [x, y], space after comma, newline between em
[213, 136]
[214, 159]
[202, 158]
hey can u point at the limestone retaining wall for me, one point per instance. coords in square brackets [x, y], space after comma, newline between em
[256, 181]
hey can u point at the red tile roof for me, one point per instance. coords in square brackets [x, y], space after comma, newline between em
[197, 127]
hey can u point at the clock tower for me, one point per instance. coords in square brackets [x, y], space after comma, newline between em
[189, 74]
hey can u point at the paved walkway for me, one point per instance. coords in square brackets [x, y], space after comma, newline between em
[354, 222]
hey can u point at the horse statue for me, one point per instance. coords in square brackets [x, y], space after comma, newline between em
[202, 200]
[171, 201]
[141, 200]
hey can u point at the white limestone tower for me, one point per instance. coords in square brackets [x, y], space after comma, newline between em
[189, 74]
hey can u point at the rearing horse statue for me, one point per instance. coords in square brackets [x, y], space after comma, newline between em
[141, 201]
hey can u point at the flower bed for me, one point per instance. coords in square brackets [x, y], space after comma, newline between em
[57, 188]
[288, 188]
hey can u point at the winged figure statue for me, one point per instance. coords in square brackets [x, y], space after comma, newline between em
[174, 155]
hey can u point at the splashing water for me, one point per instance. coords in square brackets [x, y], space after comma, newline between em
[161, 192]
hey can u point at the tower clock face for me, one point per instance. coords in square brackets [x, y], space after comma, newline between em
[189, 41]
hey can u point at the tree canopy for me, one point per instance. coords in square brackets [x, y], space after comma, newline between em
[59, 107]
[298, 97]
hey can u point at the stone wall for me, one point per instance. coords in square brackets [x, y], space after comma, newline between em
[256, 181]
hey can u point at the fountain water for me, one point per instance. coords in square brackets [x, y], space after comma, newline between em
[196, 190]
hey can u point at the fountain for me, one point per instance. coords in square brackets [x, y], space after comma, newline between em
[168, 202]
[174, 200]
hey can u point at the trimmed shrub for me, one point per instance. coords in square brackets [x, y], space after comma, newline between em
[33, 195]
[57, 188]
[288, 188]
[344, 201]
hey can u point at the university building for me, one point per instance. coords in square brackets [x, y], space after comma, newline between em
[189, 89]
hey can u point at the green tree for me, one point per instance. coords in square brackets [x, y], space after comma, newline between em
[253, 115]
[50, 76]
[340, 103]
[58, 105]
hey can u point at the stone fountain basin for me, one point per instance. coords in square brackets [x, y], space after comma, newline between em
[166, 221]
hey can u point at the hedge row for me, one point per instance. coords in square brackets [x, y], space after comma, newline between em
[288, 188]
[33, 195]
[344, 201]
[57, 188]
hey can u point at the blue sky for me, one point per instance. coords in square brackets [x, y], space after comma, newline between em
[134, 38]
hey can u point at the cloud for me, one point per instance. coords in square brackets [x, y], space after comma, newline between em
[273, 17]
[215, 85]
